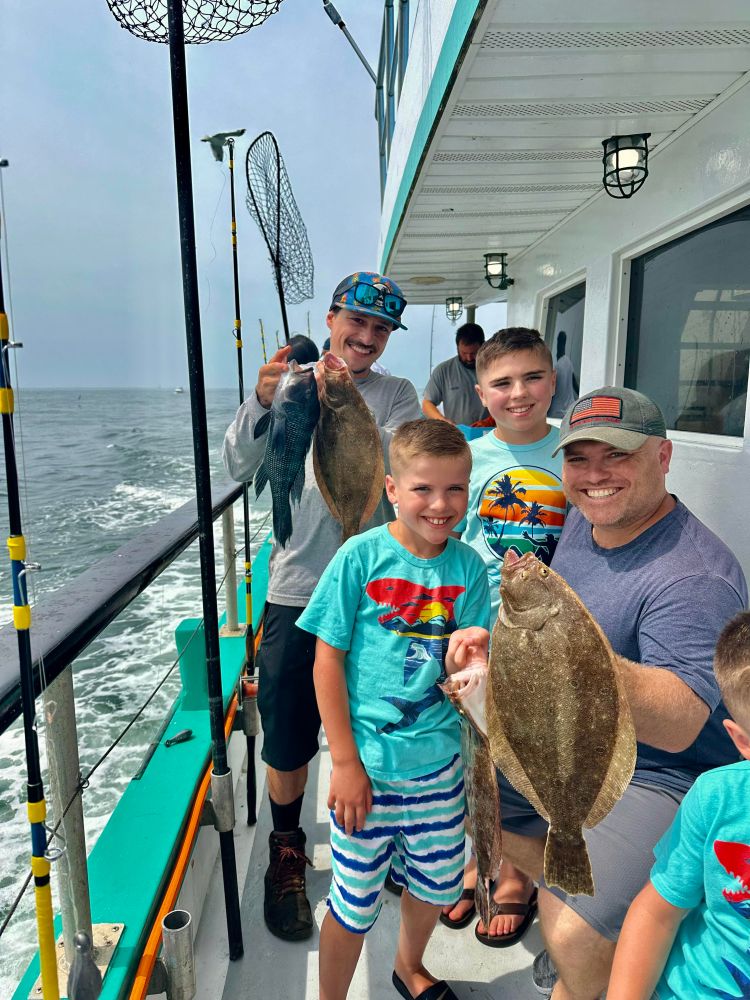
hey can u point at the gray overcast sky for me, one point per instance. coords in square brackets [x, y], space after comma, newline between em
[90, 195]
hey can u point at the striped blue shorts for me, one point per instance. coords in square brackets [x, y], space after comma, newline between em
[417, 828]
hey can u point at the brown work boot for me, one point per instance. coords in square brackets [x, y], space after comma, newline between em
[285, 905]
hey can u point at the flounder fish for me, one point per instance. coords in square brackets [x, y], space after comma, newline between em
[467, 691]
[558, 720]
[290, 423]
[347, 451]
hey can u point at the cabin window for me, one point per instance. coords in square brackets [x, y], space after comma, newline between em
[563, 334]
[688, 339]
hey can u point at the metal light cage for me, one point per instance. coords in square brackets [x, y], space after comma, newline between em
[203, 20]
[496, 271]
[454, 307]
[625, 162]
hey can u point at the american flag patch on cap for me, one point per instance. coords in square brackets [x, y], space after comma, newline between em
[596, 407]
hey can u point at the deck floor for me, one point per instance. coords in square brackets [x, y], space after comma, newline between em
[274, 969]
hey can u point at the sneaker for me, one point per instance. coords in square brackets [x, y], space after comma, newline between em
[285, 906]
[544, 974]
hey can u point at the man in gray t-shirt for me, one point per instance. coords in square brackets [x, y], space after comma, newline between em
[365, 310]
[661, 586]
[453, 382]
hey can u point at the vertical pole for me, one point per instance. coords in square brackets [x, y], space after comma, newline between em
[64, 775]
[36, 807]
[230, 574]
[249, 636]
[263, 342]
[200, 448]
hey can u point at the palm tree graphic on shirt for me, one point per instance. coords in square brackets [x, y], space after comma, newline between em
[506, 495]
[533, 517]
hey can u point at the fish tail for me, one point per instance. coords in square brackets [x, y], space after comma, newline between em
[483, 900]
[567, 864]
[282, 522]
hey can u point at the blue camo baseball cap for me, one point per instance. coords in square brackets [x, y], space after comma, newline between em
[371, 293]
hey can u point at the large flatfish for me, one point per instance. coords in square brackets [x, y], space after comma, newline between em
[467, 691]
[290, 423]
[347, 452]
[558, 720]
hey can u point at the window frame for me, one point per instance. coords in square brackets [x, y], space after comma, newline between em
[675, 230]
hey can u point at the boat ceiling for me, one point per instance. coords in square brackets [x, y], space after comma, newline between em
[518, 150]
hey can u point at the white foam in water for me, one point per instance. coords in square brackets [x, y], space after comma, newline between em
[132, 465]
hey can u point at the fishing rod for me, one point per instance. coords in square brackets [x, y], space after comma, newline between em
[278, 342]
[248, 683]
[263, 342]
[36, 806]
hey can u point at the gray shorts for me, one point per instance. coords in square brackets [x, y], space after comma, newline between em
[620, 848]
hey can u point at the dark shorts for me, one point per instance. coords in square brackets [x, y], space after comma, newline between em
[621, 849]
[286, 694]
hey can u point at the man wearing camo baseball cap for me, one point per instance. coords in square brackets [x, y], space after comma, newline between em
[365, 309]
[661, 586]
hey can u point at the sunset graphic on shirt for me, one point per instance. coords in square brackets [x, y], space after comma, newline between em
[522, 508]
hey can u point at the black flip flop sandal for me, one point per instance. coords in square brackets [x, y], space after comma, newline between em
[438, 991]
[525, 910]
[456, 925]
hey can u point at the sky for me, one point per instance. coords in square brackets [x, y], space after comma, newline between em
[92, 275]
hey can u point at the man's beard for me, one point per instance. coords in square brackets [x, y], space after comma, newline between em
[471, 365]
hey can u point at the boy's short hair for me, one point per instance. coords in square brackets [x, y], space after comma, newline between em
[732, 667]
[436, 438]
[514, 338]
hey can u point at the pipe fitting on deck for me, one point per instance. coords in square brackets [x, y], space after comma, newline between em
[177, 955]
[222, 800]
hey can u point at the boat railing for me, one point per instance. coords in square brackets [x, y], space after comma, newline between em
[64, 625]
[394, 55]
[70, 619]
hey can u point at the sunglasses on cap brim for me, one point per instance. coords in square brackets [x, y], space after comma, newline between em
[369, 295]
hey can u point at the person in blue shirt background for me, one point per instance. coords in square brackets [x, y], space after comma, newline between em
[687, 934]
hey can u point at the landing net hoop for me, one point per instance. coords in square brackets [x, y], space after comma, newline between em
[271, 203]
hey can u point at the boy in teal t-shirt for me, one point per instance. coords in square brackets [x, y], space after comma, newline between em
[384, 612]
[516, 501]
[687, 934]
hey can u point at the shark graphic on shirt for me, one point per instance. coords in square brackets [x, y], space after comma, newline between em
[424, 615]
[734, 858]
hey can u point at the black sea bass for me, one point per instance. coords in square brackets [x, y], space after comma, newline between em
[347, 453]
[558, 720]
[291, 422]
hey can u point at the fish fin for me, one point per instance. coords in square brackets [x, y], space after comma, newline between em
[567, 864]
[504, 756]
[262, 425]
[295, 491]
[378, 485]
[261, 478]
[622, 763]
[320, 478]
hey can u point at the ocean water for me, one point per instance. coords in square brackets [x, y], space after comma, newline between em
[95, 467]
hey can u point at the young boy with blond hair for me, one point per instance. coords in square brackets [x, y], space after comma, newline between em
[516, 501]
[687, 932]
[383, 613]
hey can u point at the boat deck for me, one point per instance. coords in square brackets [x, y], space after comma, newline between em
[276, 969]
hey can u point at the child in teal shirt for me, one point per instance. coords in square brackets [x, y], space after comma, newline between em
[687, 934]
[384, 611]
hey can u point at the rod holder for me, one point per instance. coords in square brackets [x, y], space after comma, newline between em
[177, 953]
[222, 800]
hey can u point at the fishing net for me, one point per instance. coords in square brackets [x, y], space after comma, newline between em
[204, 20]
[271, 203]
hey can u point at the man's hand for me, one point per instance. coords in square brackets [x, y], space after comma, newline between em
[269, 375]
[350, 795]
[465, 646]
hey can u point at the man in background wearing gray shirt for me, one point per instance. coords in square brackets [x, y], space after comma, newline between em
[365, 309]
[453, 382]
